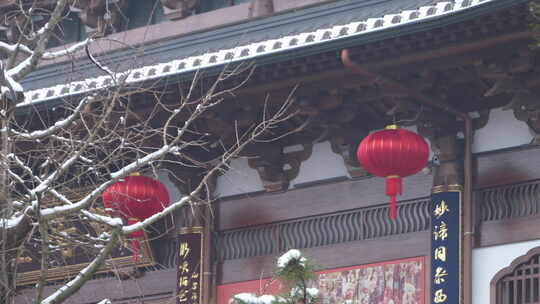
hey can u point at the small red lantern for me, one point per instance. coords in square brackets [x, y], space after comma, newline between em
[393, 153]
[136, 198]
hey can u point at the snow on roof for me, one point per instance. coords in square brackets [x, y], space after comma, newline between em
[253, 50]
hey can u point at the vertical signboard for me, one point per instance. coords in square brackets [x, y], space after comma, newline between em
[189, 257]
[446, 247]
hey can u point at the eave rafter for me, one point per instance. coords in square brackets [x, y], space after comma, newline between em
[330, 100]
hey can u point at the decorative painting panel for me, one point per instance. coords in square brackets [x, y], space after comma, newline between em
[393, 282]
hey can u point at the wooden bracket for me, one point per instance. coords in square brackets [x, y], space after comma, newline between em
[178, 9]
[346, 148]
[276, 168]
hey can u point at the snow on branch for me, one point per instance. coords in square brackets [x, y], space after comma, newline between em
[139, 225]
[289, 256]
[42, 36]
[9, 49]
[115, 176]
[12, 222]
[296, 273]
[57, 211]
[45, 184]
[133, 166]
[58, 125]
[114, 222]
[93, 148]
[68, 51]
[84, 275]
[53, 177]
[251, 298]
[8, 85]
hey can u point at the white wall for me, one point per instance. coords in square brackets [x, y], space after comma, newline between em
[240, 178]
[174, 193]
[503, 130]
[489, 260]
[323, 164]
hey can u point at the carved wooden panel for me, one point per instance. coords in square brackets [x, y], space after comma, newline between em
[355, 225]
[507, 167]
[70, 260]
[511, 201]
[324, 198]
[70, 250]
[496, 205]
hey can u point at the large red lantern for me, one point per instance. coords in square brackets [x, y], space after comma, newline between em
[136, 198]
[393, 153]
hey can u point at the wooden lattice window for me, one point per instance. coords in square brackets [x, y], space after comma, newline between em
[518, 283]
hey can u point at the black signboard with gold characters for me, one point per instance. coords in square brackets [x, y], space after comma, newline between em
[190, 248]
[67, 258]
[446, 247]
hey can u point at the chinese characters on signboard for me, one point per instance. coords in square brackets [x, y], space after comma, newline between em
[445, 247]
[189, 267]
[69, 259]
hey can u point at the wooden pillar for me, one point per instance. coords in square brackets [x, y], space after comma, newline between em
[193, 225]
[205, 219]
[450, 211]
[447, 224]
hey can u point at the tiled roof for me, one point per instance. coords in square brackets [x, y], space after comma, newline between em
[392, 17]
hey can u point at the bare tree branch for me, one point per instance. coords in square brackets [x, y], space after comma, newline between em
[42, 37]
[56, 162]
[84, 275]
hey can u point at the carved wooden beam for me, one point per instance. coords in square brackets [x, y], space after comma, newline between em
[277, 168]
[260, 8]
[270, 164]
[515, 77]
[12, 28]
[178, 9]
[14, 22]
[526, 107]
[100, 16]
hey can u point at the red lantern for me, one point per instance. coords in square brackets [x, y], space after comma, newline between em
[136, 199]
[393, 153]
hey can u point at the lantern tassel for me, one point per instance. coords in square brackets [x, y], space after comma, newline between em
[393, 208]
[135, 242]
[393, 188]
[135, 250]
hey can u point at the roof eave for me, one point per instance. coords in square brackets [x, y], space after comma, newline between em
[288, 54]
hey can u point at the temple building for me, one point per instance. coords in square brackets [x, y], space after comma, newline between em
[460, 73]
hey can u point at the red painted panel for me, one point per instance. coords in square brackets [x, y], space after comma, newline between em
[398, 282]
[263, 286]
